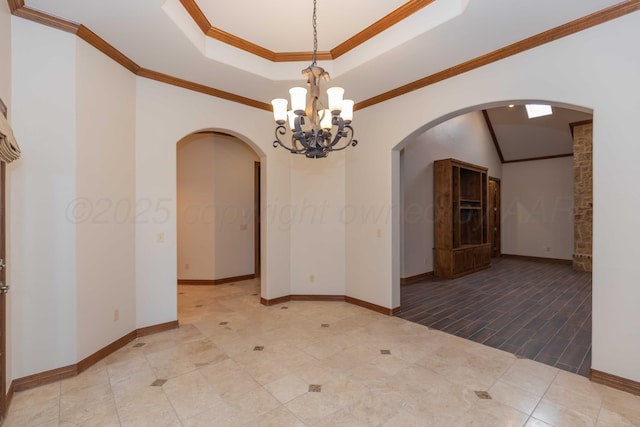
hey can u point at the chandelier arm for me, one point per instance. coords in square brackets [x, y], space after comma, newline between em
[347, 133]
[300, 135]
[314, 142]
[281, 129]
[337, 121]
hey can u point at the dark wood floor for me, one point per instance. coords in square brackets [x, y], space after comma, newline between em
[536, 310]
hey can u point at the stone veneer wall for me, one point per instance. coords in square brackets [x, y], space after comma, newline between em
[583, 196]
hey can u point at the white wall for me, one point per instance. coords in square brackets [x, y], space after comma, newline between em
[215, 207]
[465, 138]
[164, 115]
[5, 53]
[196, 207]
[592, 69]
[537, 208]
[105, 181]
[317, 217]
[234, 200]
[5, 94]
[42, 235]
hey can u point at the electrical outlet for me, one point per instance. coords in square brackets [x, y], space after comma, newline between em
[116, 315]
[379, 232]
[547, 249]
[312, 278]
[186, 266]
[160, 238]
[243, 227]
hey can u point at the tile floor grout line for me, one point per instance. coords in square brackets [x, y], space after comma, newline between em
[113, 396]
[60, 402]
[435, 363]
[545, 392]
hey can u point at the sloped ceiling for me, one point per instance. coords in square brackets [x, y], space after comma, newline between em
[518, 137]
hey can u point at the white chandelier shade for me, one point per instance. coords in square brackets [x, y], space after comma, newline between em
[317, 128]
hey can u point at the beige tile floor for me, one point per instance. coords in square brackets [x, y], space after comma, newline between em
[234, 362]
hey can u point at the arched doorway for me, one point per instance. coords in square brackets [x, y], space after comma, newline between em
[218, 205]
[538, 226]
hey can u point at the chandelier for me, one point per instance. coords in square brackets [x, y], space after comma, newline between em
[315, 129]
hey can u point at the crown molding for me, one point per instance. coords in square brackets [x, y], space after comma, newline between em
[197, 15]
[19, 9]
[99, 43]
[15, 4]
[230, 39]
[371, 31]
[540, 39]
[379, 26]
[196, 87]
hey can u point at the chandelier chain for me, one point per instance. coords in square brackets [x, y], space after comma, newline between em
[315, 35]
[315, 130]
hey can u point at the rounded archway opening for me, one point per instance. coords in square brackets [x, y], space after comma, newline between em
[537, 196]
[218, 183]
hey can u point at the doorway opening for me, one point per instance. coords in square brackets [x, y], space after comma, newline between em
[494, 216]
[4, 288]
[3, 304]
[532, 226]
[218, 223]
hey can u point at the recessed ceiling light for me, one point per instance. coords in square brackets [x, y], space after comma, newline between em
[538, 110]
[511, 105]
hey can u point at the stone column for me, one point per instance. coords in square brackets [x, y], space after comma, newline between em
[582, 196]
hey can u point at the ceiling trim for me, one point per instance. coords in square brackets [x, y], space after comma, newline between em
[540, 39]
[99, 43]
[531, 159]
[209, 30]
[493, 134]
[186, 84]
[15, 4]
[18, 8]
[401, 13]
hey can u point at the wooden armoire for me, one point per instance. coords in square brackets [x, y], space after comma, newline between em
[461, 213]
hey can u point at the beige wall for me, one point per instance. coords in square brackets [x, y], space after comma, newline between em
[42, 237]
[5, 94]
[5, 53]
[317, 218]
[105, 182]
[537, 208]
[72, 200]
[215, 178]
[164, 115]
